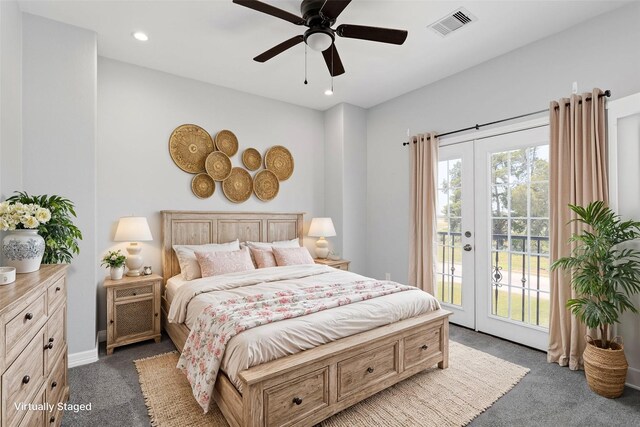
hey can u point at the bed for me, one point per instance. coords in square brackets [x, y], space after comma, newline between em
[308, 386]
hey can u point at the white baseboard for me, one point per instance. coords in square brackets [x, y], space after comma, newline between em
[633, 378]
[102, 335]
[83, 357]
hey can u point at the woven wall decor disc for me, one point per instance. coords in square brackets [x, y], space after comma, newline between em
[218, 165]
[279, 161]
[251, 159]
[239, 186]
[266, 185]
[227, 142]
[189, 146]
[203, 186]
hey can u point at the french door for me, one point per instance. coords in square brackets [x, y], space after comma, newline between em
[493, 235]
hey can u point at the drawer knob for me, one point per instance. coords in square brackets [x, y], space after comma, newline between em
[28, 316]
[370, 370]
[135, 293]
[51, 339]
[111, 321]
[26, 379]
[52, 419]
[48, 346]
[424, 347]
[57, 288]
[156, 315]
[54, 384]
[297, 400]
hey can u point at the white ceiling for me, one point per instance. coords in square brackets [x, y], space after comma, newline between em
[215, 40]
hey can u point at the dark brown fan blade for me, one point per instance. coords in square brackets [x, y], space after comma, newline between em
[270, 10]
[334, 64]
[276, 50]
[374, 34]
[332, 8]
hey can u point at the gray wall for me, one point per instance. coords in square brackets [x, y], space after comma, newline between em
[10, 98]
[600, 53]
[138, 108]
[345, 181]
[59, 147]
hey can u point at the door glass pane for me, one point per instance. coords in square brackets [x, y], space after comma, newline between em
[519, 209]
[449, 238]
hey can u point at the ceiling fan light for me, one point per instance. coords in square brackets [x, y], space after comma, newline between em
[319, 41]
[328, 92]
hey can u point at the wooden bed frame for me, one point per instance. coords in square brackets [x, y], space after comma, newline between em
[310, 386]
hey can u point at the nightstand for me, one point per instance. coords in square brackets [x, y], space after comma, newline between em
[133, 310]
[340, 264]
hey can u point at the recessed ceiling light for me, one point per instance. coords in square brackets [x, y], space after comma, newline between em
[328, 92]
[140, 36]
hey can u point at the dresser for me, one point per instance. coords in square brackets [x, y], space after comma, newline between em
[33, 348]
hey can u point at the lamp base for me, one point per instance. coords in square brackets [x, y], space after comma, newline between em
[134, 260]
[322, 248]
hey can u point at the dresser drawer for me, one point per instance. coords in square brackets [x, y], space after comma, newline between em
[23, 379]
[421, 346]
[56, 382]
[35, 418]
[134, 291]
[23, 326]
[55, 338]
[288, 403]
[367, 369]
[56, 294]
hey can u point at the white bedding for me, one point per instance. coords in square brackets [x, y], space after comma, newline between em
[279, 339]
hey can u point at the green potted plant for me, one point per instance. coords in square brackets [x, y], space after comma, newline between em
[115, 261]
[60, 235]
[605, 272]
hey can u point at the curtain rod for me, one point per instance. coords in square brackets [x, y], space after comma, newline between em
[606, 93]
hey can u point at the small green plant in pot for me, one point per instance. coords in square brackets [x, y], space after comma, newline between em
[115, 261]
[605, 273]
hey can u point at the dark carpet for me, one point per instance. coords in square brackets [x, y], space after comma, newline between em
[548, 396]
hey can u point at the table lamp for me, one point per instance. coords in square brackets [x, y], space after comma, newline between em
[321, 227]
[133, 229]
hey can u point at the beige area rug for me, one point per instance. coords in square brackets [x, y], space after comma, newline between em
[435, 397]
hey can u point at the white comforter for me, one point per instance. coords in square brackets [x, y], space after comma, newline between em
[268, 342]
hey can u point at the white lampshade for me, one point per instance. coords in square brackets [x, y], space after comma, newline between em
[133, 229]
[321, 227]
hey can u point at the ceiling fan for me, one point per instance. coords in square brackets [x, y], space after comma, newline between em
[319, 16]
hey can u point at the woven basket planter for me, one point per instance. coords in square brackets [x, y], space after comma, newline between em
[605, 369]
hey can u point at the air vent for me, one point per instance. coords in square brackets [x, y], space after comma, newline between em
[453, 21]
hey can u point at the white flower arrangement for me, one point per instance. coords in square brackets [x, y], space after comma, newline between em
[22, 216]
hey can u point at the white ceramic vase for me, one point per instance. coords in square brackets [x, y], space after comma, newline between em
[116, 272]
[23, 249]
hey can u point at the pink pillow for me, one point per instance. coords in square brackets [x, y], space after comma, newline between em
[216, 263]
[264, 257]
[292, 256]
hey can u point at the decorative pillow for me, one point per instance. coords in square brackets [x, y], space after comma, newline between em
[263, 258]
[292, 256]
[293, 243]
[216, 263]
[189, 267]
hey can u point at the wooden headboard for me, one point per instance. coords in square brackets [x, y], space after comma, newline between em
[199, 228]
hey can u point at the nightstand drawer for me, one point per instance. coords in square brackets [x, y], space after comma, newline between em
[134, 291]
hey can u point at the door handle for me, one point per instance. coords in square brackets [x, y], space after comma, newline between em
[467, 247]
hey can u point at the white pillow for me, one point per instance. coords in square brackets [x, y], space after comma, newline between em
[293, 243]
[189, 267]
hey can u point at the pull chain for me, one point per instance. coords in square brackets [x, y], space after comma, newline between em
[332, 49]
[305, 63]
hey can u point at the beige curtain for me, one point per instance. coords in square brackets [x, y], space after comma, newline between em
[578, 177]
[424, 177]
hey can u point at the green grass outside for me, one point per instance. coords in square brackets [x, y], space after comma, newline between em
[503, 303]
